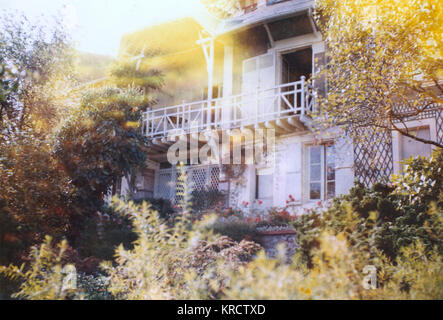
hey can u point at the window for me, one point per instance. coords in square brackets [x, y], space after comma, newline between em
[321, 172]
[264, 184]
[412, 147]
[404, 147]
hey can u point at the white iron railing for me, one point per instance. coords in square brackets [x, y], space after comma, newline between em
[283, 101]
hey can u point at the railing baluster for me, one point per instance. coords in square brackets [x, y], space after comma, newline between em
[302, 102]
[164, 121]
[241, 109]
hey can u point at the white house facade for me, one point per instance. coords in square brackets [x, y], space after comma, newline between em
[259, 64]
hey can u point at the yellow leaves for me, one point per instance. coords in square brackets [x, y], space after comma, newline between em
[115, 114]
[373, 216]
[131, 124]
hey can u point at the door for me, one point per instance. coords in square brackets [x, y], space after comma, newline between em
[258, 88]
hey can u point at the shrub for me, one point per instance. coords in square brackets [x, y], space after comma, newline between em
[387, 217]
[234, 228]
[185, 261]
[162, 206]
[103, 233]
[337, 274]
[204, 200]
[165, 261]
[46, 277]
[94, 286]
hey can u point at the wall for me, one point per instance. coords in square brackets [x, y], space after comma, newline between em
[290, 171]
[271, 239]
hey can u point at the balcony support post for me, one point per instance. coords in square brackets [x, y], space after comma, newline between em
[302, 95]
[208, 50]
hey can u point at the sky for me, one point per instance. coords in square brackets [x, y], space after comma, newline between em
[98, 25]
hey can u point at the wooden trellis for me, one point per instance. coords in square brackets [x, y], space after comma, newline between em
[199, 178]
[373, 155]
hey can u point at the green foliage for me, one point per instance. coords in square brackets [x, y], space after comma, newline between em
[103, 233]
[125, 73]
[162, 206]
[206, 200]
[234, 228]
[416, 274]
[171, 262]
[35, 198]
[337, 273]
[384, 217]
[46, 277]
[94, 287]
[421, 182]
[101, 141]
[185, 261]
[383, 57]
[35, 72]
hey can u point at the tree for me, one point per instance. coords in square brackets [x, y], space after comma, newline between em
[222, 8]
[35, 197]
[35, 72]
[384, 63]
[101, 141]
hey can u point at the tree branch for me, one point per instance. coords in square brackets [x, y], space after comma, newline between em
[407, 134]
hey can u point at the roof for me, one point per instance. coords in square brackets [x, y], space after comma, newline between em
[264, 14]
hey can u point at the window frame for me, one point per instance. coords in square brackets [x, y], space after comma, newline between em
[397, 148]
[323, 172]
[256, 195]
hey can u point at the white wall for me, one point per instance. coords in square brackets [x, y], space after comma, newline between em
[291, 171]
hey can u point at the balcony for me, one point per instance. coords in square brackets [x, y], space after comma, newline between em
[284, 108]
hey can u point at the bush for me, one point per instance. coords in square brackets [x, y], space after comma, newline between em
[234, 228]
[337, 274]
[204, 200]
[46, 277]
[387, 217]
[181, 261]
[103, 233]
[162, 206]
[185, 261]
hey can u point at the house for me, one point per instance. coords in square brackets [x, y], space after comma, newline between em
[250, 100]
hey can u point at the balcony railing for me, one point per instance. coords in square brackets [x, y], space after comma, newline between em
[284, 101]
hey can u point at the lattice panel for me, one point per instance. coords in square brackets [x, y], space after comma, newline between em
[200, 178]
[439, 120]
[214, 180]
[408, 114]
[373, 156]
[164, 185]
